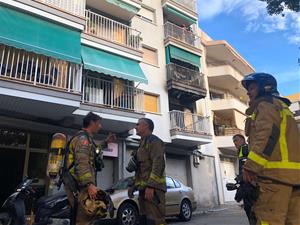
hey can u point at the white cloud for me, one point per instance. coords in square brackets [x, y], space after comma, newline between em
[254, 13]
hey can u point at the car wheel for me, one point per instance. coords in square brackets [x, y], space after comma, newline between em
[127, 214]
[185, 210]
[6, 219]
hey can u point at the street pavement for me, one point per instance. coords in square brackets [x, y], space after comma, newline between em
[230, 214]
[226, 215]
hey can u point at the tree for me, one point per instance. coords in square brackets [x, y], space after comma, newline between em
[277, 6]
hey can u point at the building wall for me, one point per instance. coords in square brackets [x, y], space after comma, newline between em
[204, 182]
[153, 36]
[204, 108]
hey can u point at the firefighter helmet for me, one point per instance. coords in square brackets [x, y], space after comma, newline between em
[99, 207]
[267, 84]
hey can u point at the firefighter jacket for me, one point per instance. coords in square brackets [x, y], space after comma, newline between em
[151, 164]
[82, 156]
[273, 141]
[243, 154]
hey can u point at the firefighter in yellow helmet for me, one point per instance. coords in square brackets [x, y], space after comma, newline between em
[81, 164]
[274, 158]
[150, 179]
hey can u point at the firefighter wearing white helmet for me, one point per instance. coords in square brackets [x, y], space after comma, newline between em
[274, 159]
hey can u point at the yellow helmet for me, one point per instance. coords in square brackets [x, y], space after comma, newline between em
[100, 207]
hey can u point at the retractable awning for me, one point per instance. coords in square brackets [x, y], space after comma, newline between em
[31, 33]
[111, 64]
[177, 13]
[182, 55]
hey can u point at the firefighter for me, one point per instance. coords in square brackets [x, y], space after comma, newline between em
[81, 164]
[246, 191]
[150, 179]
[274, 157]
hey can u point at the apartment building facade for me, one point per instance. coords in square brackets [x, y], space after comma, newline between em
[122, 59]
[227, 103]
[295, 106]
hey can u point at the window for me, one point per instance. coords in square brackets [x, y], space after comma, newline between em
[177, 184]
[170, 183]
[147, 14]
[151, 103]
[150, 56]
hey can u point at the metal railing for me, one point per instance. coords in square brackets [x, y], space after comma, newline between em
[27, 67]
[75, 7]
[189, 123]
[112, 30]
[112, 94]
[181, 34]
[190, 4]
[185, 75]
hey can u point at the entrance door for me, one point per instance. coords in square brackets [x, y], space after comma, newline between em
[12, 157]
[176, 168]
[228, 175]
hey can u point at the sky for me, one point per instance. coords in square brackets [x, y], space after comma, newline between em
[269, 43]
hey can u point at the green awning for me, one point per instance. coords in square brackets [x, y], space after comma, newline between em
[110, 64]
[182, 55]
[175, 12]
[24, 31]
[124, 5]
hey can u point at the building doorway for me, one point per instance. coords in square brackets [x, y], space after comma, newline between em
[22, 154]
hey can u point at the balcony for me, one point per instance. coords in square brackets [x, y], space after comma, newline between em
[183, 12]
[76, 8]
[224, 137]
[189, 129]
[119, 105]
[111, 33]
[189, 4]
[34, 85]
[112, 95]
[67, 12]
[181, 36]
[122, 9]
[37, 70]
[186, 83]
[230, 102]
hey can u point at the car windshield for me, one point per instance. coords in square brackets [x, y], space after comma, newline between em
[122, 184]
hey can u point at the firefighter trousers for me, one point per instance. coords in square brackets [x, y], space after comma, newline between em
[277, 204]
[152, 212]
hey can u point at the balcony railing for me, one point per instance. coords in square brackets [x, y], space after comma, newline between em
[185, 75]
[189, 123]
[190, 4]
[111, 94]
[227, 131]
[181, 34]
[75, 7]
[111, 30]
[39, 70]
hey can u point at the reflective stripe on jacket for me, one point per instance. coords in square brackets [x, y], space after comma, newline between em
[273, 141]
[151, 160]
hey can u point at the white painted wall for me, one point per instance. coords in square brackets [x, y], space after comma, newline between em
[204, 108]
[153, 36]
[205, 183]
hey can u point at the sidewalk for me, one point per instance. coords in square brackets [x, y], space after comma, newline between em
[229, 214]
